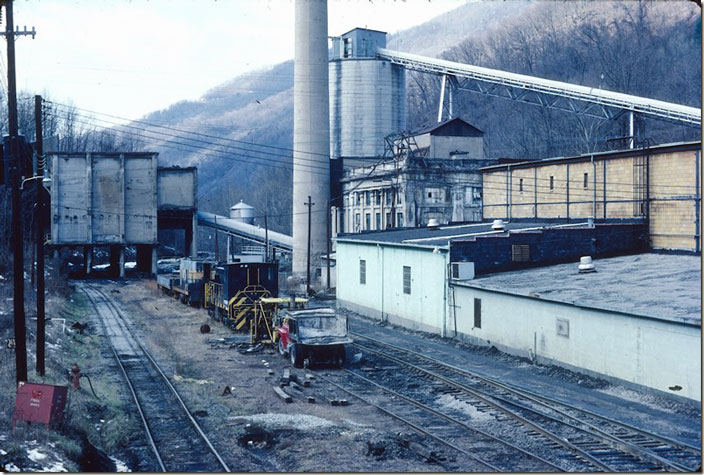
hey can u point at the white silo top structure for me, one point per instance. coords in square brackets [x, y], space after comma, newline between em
[242, 212]
[311, 135]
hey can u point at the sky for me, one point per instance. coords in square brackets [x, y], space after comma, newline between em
[129, 58]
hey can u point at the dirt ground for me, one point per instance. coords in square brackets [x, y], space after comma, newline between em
[253, 428]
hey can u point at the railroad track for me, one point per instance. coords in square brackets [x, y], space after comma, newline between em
[178, 442]
[472, 449]
[574, 436]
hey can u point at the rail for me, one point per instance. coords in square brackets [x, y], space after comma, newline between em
[121, 322]
[633, 441]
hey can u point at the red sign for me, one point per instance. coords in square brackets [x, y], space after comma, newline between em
[43, 403]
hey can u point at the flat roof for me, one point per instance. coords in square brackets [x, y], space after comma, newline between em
[660, 286]
[442, 235]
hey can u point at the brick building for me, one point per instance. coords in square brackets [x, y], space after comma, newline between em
[659, 184]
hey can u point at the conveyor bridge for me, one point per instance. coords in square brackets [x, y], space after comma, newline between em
[242, 230]
[585, 100]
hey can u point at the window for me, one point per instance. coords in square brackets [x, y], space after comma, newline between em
[520, 253]
[367, 221]
[388, 197]
[399, 220]
[359, 198]
[357, 222]
[388, 219]
[347, 52]
[563, 327]
[586, 180]
[552, 183]
[477, 313]
[406, 280]
[362, 271]
[398, 196]
[520, 184]
[378, 221]
[366, 198]
[377, 197]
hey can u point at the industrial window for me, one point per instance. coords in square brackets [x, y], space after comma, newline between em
[477, 313]
[362, 271]
[399, 220]
[586, 180]
[378, 221]
[520, 184]
[406, 280]
[520, 253]
[552, 183]
[367, 221]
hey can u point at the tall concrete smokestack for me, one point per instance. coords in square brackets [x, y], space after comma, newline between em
[311, 134]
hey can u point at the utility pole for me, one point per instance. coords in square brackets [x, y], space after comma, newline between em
[39, 148]
[266, 237]
[327, 210]
[217, 252]
[309, 204]
[17, 228]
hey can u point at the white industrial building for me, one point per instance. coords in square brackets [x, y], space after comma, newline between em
[636, 320]
[433, 175]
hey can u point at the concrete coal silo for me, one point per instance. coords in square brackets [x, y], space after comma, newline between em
[367, 98]
[311, 134]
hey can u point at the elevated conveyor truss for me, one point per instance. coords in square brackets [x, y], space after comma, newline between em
[574, 98]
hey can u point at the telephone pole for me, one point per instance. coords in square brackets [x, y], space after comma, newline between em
[17, 228]
[309, 204]
[39, 238]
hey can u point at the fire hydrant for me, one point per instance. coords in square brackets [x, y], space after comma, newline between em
[75, 376]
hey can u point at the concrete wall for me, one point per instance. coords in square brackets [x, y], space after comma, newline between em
[176, 188]
[367, 103]
[103, 198]
[442, 145]
[662, 183]
[643, 351]
[382, 295]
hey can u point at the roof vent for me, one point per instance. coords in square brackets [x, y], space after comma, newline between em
[433, 223]
[498, 225]
[586, 265]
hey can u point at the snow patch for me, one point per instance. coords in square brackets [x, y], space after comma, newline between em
[35, 455]
[296, 421]
[54, 468]
[2, 452]
[120, 466]
[11, 467]
[450, 402]
[634, 396]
